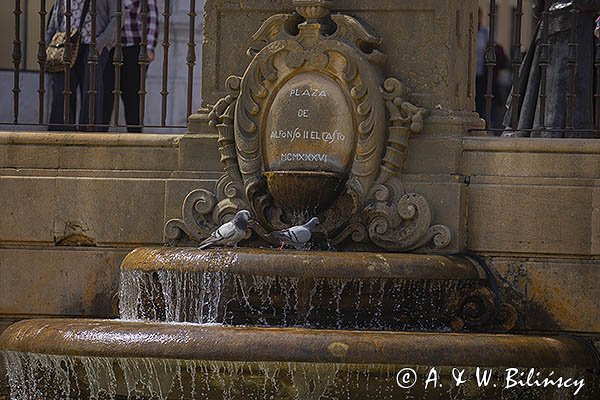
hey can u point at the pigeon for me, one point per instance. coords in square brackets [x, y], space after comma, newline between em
[230, 233]
[296, 236]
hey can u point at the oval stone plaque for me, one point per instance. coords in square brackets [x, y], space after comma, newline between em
[310, 127]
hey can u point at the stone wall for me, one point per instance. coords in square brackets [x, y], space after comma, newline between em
[553, 184]
[534, 209]
[73, 206]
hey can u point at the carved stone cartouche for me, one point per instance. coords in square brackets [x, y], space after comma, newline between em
[313, 128]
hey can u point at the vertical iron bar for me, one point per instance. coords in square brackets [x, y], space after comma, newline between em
[470, 54]
[572, 65]
[490, 63]
[25, 30]
[41, 56]
[143, 60]
[191, 56]
[16, 59]
[93, 63]
[516, 63]
[165, 72]
[67, 64]
[597, 92]
[118, 62]
[544, 62]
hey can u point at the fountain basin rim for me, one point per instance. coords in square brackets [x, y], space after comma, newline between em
[134, 339]
[303, 264]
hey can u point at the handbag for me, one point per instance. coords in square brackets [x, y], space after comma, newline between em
[56, 49]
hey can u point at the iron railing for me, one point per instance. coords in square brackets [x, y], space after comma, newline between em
[546, 42]
[165, 27]
[16, 58]
[511, 119]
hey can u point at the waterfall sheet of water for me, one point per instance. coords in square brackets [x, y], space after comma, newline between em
[38, 376]
[335, 303]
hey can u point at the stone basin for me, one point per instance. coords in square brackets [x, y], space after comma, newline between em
[297, 263]
[117, 338]
[328, 290]
[243, 362]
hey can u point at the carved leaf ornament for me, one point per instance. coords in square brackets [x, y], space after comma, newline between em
[313, 128]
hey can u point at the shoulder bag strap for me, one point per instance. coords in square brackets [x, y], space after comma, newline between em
[86, 6]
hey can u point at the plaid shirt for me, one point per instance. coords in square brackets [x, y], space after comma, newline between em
[131, 34]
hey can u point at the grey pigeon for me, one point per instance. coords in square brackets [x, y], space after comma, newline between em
[230, 233]
[296, 236]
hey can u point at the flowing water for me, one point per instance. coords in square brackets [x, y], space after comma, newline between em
[36, 376]
[334, 303]
[176, 290]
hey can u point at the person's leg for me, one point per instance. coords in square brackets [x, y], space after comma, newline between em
[557, 87]
[109, 87]
[100, 112]
[130, 86]
[84, 115]
[57, 122]
[480, 86]
[84, 111]
[583, 110]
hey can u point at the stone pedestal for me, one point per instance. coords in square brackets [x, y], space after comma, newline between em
[430, 44]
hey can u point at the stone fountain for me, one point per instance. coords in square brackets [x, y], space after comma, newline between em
[313, 127]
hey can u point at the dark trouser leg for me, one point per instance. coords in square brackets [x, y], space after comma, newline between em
[480, 86]
[57, 122]
[583, 110]
[108, 103]
[130, 85]
[84, 116]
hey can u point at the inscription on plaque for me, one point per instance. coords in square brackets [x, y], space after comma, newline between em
[310, 127]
